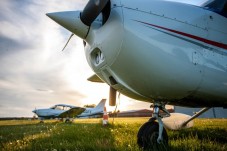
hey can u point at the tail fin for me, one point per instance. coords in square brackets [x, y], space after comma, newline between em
[101, 105]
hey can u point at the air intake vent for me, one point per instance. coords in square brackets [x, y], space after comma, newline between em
[112, 80]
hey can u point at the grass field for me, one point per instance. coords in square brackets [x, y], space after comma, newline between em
[89, 134]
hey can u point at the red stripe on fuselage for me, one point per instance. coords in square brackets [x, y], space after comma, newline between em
[214, 43]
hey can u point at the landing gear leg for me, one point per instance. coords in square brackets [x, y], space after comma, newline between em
[41, 120]
[152, 135]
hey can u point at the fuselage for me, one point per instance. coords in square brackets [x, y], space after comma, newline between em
[65, 111]
[162, 51]
[53, 112]
[48, 113]
[91, 113]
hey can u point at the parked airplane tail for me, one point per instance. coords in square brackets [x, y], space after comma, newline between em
[94, 112]
[101, 105]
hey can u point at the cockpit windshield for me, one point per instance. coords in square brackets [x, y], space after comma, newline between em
[61, 107]
[217, 6]
[192, 2]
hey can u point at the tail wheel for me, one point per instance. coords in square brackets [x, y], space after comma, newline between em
[148, 134]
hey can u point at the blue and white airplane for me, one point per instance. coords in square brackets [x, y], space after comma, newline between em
[157, 51]
[69, 111]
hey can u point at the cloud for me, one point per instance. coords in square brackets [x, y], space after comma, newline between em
[7, 44]
[34, 73]
[33, 69]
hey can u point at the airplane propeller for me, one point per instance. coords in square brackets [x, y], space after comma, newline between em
[92, 10]
[79, 22]
[90, 13]
[34, 111]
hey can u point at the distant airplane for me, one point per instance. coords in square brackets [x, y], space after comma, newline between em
[157, 51]
[69, 111]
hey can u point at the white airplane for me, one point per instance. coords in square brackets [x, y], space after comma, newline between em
[69, 111]
[157, 51]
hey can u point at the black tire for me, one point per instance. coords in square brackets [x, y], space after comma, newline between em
[67, 121]
[147, 137]
[140, 134]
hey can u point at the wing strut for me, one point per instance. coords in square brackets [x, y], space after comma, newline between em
[195, 116]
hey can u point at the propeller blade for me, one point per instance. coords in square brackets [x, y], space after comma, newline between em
[34, 111]
[68, 41]
[92, 10]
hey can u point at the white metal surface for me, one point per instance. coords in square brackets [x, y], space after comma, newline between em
[163, 51]
[71, 20]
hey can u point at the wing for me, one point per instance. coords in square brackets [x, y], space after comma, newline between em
[95, 78]
[73, 112]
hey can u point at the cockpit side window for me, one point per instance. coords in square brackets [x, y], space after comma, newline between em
[67, 108]
[218, 6]
[59, 107]
[224, 10]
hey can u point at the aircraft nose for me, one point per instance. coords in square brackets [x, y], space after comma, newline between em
[71, 21]
[34, 111]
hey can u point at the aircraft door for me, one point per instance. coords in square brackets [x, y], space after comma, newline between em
[215, 57]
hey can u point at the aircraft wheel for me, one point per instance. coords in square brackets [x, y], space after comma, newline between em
[148, 134]
[67, 121]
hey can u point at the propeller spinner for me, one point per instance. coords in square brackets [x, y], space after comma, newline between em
[79, 22]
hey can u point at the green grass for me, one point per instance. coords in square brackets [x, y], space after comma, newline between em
[89, 134]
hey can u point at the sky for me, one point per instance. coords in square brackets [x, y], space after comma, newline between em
[34, 72]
